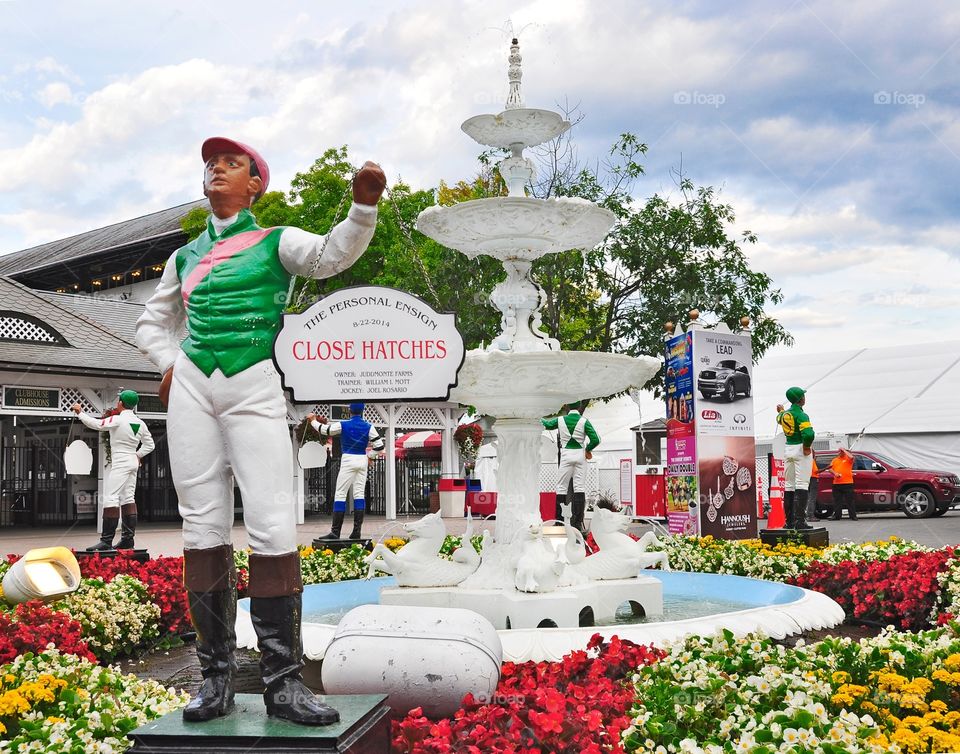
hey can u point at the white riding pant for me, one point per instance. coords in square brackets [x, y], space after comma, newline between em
[224, 427]
[353, 473]
[796, 469]
[573, 464]
[121, 485]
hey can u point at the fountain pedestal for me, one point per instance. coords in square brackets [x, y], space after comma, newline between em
[572, 606]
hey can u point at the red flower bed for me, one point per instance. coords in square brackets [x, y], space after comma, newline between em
[900, 591]
[163, 578]
[579, 704]
[32, 625]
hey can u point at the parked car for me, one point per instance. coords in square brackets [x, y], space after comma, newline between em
[882, 484]
[728, 379]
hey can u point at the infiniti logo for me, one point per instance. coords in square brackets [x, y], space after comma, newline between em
[740, 419]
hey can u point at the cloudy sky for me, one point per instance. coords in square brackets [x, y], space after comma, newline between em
[831, 127]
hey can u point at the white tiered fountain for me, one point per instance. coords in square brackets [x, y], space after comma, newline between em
[523, 375]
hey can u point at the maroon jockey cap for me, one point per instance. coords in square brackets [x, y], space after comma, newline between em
[221, 144]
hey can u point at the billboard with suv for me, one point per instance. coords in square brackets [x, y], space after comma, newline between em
[880, 483]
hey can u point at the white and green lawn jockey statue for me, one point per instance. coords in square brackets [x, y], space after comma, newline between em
[130, 442]
[226, 418]
[356, 435]
[796, 465]
[577, 439]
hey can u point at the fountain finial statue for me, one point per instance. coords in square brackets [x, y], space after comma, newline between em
[226, 418]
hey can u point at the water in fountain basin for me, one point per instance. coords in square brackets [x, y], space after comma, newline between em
[678, 607]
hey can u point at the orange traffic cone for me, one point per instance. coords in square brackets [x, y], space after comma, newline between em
[777, 517]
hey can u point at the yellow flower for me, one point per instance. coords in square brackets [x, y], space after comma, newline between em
[13, 703]
[306, 552]
[3, 728]
[952, 662]
[840, 676]
[327, 553]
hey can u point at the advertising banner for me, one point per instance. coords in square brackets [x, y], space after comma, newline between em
[679, 386]
[369, 343]
[726, 461]
[727, 472]
[711, 464]
[724, 366]
[682, 498]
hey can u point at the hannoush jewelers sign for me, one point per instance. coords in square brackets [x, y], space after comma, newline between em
[369, 343]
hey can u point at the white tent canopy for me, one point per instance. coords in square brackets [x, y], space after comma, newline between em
[899, 400]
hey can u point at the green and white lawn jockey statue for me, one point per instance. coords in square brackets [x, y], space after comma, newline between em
[796, 465]
[577, 439]
[226, 418]
[130, 442]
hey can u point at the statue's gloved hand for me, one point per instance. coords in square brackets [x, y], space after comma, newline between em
[369, 184]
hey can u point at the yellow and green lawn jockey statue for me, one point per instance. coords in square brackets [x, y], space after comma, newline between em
[577, 439]
[130, 442]
[796, 468]
[356, 436]
[226, 418]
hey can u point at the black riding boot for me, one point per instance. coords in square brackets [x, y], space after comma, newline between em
[214, 615]
[277, 623]
[335, 526]
[357, 522]
[578, 508]
[211, 581]
[561, 501]
[128, 528]
[800, 511]
[788, 506]
[108, 529]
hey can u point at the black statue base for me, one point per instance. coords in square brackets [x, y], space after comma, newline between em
[816, 537]
[364, 728]
[140, 555]
[341, 544]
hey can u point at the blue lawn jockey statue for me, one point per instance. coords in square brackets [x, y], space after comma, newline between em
[356, 434]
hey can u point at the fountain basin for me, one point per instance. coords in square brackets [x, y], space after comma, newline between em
[517, 227]
[534, 384]
[778, 610]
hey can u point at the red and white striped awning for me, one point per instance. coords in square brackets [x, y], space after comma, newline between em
[417, 440]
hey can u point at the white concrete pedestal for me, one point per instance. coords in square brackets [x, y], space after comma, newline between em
[567, 607]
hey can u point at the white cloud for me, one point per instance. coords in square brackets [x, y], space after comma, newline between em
[56, 93]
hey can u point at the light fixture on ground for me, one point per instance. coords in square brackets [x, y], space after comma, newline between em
[42, 574]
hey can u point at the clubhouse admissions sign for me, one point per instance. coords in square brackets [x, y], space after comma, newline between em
[369, 343]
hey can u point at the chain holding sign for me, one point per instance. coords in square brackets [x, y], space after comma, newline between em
[369, 343]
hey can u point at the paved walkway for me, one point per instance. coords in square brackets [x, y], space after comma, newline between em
[164, 539]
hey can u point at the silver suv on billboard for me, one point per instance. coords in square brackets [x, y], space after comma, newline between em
[728, 379]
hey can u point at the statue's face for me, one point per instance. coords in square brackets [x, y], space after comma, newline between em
[227, 175]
